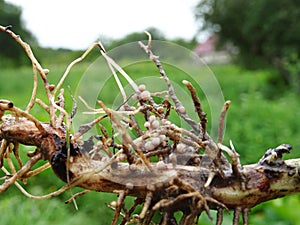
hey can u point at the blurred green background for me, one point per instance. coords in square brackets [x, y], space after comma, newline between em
[258, 118]
[262, 85]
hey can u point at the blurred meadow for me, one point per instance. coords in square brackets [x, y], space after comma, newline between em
[264, 94]
[260, 117]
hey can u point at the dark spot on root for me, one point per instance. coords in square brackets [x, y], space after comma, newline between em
[59, 160]
[9, 27]
[10, 105]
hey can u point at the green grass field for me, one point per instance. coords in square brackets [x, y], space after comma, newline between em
[260, 117]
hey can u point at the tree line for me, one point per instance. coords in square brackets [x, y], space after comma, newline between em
[266, 32]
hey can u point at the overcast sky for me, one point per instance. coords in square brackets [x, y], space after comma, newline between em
[77, 24]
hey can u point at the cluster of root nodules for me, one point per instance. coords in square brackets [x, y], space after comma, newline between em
[155, 160]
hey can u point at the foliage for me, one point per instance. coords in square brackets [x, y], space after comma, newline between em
[137, 36]
[156, 35]
[57, 57]
[265, 32]
[189, 44]
[131, 51]
[11, 52]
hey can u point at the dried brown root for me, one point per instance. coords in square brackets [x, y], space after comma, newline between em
[222, 121]
[119, 205]
[26, 168]
[198, 107]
